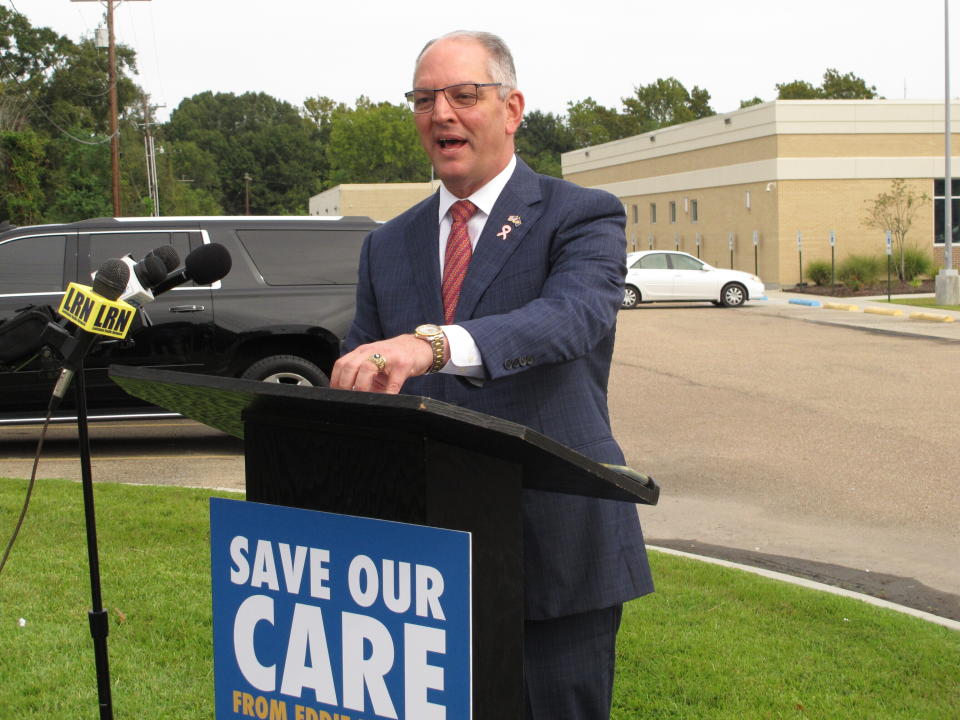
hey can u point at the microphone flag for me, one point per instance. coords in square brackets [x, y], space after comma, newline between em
[96, 314]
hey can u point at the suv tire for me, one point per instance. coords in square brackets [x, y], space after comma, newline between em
[287, 370]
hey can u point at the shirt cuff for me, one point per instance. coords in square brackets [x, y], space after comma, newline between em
[464, 354]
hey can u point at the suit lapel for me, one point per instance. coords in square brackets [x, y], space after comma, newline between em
[424, 257]
[520, 201]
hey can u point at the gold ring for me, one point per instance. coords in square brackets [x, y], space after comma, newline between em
[379, 360]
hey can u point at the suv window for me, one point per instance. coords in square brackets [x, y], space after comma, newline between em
[26, 267]
[104, 246]
[304, 257]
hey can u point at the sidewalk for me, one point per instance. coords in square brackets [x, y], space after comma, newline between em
[873, 314]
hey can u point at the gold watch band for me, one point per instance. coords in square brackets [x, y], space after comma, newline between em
[433, 335]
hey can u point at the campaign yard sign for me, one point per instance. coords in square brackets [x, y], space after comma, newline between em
[318, 616]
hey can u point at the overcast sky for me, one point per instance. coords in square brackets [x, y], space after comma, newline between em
[738, 49]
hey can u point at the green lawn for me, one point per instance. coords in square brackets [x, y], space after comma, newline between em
[927, 302]
[711, 643]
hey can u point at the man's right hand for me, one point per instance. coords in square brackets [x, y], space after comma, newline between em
[405, 356]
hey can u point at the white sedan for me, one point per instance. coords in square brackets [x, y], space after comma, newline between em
[666, 275]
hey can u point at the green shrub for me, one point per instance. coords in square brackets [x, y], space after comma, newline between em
[858, 271]
[820, 272]
[916, 262]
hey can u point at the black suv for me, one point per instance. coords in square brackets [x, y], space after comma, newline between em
[279, 315]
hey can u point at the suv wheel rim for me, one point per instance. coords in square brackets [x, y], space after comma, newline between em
[288, 378]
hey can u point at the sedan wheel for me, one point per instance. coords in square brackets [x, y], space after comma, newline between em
[631, 296]
[733, 295]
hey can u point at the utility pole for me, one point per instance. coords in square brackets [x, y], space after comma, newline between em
[114, 133]
[152, 186]
[112, 86]
[246, 200]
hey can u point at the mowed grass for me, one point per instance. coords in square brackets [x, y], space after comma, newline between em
[927, 302]
[711, 643]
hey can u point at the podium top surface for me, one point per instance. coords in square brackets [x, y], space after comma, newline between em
[220, 402]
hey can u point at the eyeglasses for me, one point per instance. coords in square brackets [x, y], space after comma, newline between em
[464, 95]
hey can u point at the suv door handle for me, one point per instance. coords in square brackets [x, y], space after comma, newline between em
[187, 308]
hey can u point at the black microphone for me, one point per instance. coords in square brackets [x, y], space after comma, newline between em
[207, 264]
[95, 312]
[168, 255]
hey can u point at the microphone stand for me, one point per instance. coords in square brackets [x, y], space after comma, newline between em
[99, 627]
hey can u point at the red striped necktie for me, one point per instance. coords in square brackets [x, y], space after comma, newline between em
[457, 257]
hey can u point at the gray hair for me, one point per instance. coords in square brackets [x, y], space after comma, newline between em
[500, 66]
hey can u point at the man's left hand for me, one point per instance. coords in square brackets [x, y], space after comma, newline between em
[402, 357]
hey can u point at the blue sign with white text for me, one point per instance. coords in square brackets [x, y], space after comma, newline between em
[318, 616]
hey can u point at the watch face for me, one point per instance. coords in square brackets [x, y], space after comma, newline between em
[428, 330]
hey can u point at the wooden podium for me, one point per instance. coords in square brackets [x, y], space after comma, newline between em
[408, 459]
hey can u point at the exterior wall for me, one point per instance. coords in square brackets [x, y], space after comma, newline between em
[815, 207]
[721, 211]
[808, 166]
[379, 201]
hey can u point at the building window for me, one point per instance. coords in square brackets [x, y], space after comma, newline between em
[694, 211]
[938, 208]
[653, 213]
[673, 211]
[636, 215]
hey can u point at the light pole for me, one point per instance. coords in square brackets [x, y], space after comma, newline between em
[948, 280]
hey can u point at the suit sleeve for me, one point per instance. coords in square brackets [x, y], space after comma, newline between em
[578, 302]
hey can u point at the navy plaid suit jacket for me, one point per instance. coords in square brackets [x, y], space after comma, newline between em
[541, 304]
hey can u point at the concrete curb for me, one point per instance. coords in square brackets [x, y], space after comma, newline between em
[932, 317]
[813, 585]
[883, 311]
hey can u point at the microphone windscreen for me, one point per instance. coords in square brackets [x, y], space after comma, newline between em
[169, 256]
[111, 279]
[154, 271]
[208, 263]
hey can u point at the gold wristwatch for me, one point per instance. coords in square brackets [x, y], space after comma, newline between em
[433, 335]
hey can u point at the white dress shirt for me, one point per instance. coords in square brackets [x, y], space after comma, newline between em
[464, 354]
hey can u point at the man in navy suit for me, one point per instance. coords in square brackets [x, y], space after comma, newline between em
[500, 294]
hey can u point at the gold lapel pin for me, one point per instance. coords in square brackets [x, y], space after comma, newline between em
[515, 219]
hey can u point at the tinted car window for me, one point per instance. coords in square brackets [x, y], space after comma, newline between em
[32, 264]
[657, 261]
[682, 262]
[104, 246]
[304, 257]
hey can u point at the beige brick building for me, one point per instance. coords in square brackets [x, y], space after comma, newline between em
[379, 201]
[771, 171]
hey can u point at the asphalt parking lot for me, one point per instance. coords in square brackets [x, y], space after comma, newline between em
[781, 436]
[793, 442]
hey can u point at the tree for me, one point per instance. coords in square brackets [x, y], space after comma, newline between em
[592, 124]
[375, 143]
[846, 87]
[752, 101]
[541, 139]
[667, 102]
[21, 195]
[253, 134]
[834, 87]
[797, 90]
[895, 211]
